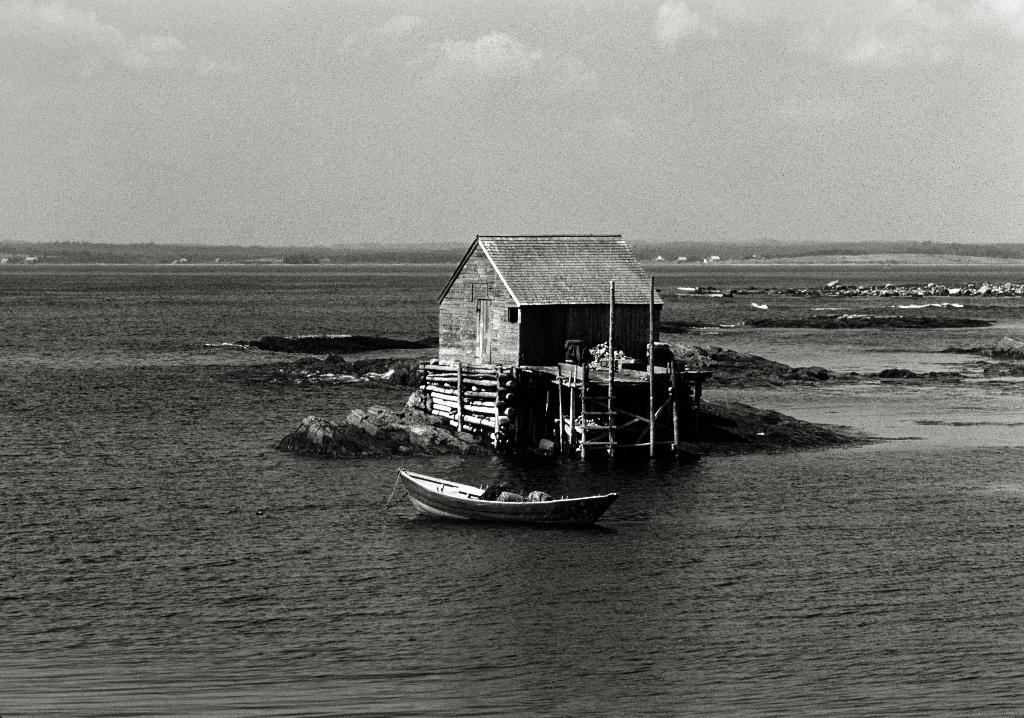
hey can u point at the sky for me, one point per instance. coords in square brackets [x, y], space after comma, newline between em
[426, 123]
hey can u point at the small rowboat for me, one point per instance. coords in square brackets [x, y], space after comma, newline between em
[447, 499]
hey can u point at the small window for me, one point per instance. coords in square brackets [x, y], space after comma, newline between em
[513, 315]
[480, 290]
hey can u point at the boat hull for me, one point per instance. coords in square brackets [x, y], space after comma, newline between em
[448, 500]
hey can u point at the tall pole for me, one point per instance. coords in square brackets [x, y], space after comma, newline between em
[650, 367]
[675, 407]
[458, 392]
[611, 368]
[561, 413]
[583, 410]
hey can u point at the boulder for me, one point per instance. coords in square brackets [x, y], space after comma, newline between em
[811, 373]
[417, 401]
[316, 436]
[1007, 348]
[355, 417]
[377, 431]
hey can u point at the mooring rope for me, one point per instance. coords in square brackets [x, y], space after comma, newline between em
[388, 504]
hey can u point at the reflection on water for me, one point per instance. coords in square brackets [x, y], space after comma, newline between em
[161, 559]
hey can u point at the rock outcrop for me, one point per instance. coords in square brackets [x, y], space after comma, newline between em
[1007, 348]
[867, 321]
[330, 343]
[334, 369]
[733, 427]
[377, 431]
[730, 368]
[738, 369]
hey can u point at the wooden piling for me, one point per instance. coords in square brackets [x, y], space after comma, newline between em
[497, 407]
[458, 389]
[650, 370]
[698, 391]
[674, 389]
[561, 412]
[583, 415]
[611, 369]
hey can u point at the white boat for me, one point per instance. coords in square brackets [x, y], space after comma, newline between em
[450, 500]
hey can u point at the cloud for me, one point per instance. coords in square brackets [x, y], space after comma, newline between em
[399, 26]
[385, 37]
[863, 34]
[55, 21]
[901, 31]
[618, 127]
[676, 20]
[1005, 14]
[216, 67]
[499, 60]
[492, 56]
[891, 33]
[31, 29]
[148, 51]
[439, 63]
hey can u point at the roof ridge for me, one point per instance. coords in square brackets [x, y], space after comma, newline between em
[544, 269]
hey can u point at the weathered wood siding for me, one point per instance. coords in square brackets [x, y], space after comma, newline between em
[545, 329]
[457, 323]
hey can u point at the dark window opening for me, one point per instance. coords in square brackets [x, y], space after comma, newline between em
[513, 315]
[480, 290]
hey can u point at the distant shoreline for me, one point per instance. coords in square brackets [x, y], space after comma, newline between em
[919, 260]
[883, 259]
[823, 260]
[207, 265]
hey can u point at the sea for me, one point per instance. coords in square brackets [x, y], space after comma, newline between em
[161, 558]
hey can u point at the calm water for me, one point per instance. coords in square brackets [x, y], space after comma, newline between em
[160, 558]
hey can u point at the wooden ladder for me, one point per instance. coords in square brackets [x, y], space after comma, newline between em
[584, 418]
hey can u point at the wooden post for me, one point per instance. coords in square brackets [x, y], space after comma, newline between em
[545, 417]
[650, 368]
[698, 390]
[561, 412]
[497, 402]
[458, 391]
[583, 414]
[674, 388]
[611, 369]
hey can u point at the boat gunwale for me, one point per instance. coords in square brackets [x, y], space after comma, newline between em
[422, 479]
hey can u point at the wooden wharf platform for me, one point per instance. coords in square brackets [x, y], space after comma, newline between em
[578, 409]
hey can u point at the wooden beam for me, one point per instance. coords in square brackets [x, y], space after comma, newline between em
[458, 388]
[674, 391]
[583, 404]
[561, 411]
[611, 369]
[650, 364]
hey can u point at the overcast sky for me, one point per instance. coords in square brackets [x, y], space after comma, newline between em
[315, 123]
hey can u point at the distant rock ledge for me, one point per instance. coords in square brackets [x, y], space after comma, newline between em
[1005, 348]
[334, 369]
[331, 343]
[738, 369]
[868, 321]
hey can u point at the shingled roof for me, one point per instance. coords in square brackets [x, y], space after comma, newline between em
[564, 269]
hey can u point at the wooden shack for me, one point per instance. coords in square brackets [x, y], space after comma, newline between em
[517, 300]
[518, 319]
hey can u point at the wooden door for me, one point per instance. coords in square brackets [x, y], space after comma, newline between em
[483, 331]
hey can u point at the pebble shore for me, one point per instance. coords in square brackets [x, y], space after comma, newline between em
[835, 289]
